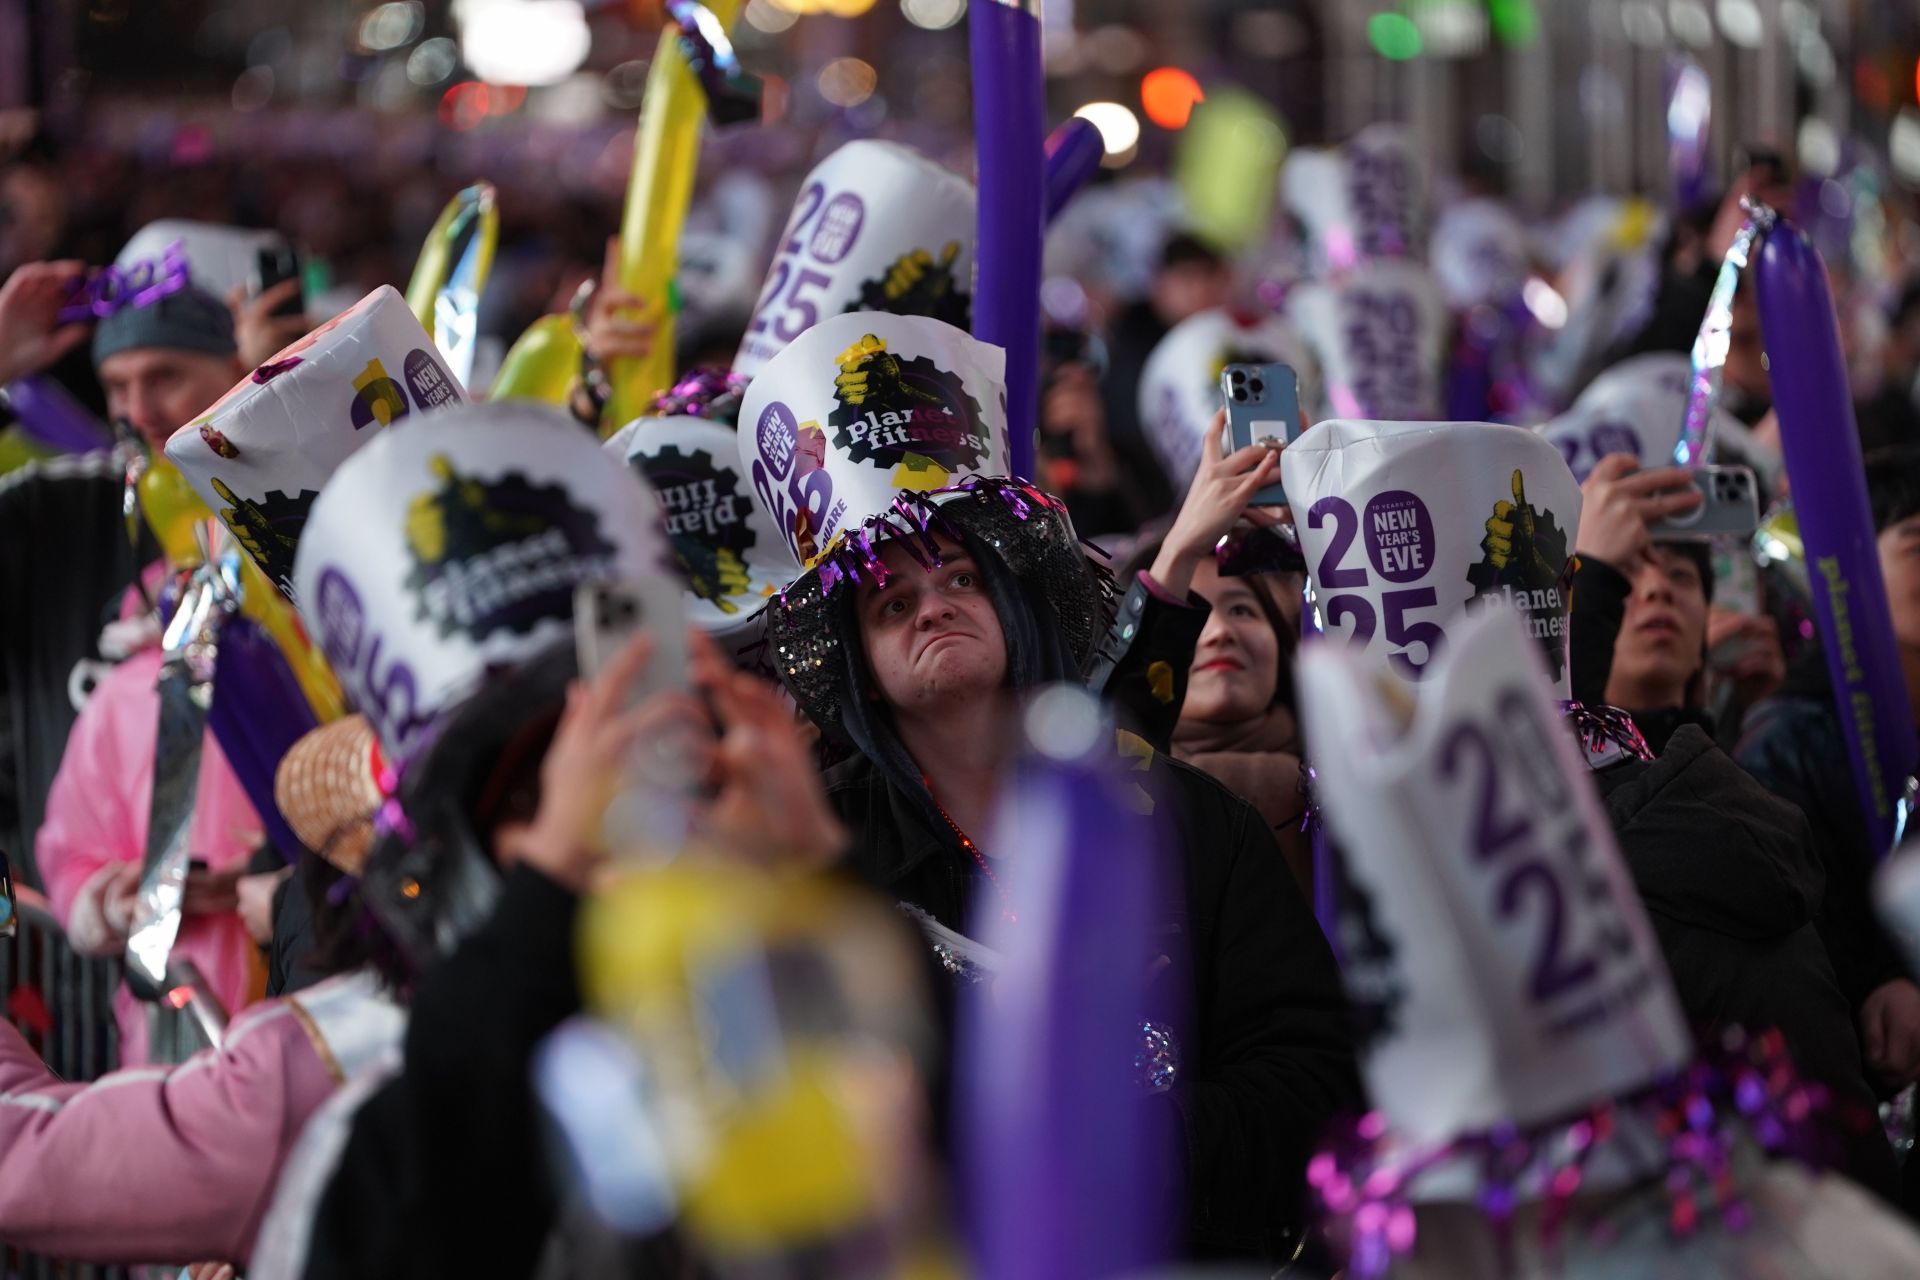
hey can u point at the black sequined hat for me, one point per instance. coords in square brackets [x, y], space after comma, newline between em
[1027, 528]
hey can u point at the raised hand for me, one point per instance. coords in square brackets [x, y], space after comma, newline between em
[1619, 503]
[31, 335]
[1221, 490]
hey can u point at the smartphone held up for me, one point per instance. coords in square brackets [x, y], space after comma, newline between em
[1263, 407]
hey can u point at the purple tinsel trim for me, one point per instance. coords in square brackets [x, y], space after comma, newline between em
[1605, 726]
[706, 392]
[112, 289]
[1747, 1088]
[912, 520]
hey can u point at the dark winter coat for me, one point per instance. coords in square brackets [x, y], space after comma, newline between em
[1269, 1058]
[1794, 746]
[1728, 876]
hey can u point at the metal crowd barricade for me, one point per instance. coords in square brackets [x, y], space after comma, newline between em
[63, 1004]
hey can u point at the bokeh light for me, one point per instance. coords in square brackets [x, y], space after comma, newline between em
[524, 41]
[765, 15]
[934, 15]
[847, 82]
[1119, 129]
[433, 61]
[392, 25]
[1168, 95]
[1393, 35]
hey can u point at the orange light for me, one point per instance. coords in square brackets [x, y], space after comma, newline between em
[180, 997]
[1167, 95]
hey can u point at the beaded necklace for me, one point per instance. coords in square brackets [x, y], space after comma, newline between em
[966, 842]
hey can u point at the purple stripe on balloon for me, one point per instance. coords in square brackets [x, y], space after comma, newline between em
[1821, 445]
[1009, 125]
[258, 713]
[1073, 157]
[1062, 1160]
[49, 414]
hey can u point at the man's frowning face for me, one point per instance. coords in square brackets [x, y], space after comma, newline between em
[931, 635]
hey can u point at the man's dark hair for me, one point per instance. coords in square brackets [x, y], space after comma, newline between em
[1184, 248]
[1701, 554]
[1893, 484]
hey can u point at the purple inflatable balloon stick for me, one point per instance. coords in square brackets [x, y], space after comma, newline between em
[1073, 157]
[1821, 445]
[1061, 1163]
[258, 713]
[53, 417]
[1009, 127]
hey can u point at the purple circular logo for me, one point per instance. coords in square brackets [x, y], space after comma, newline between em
[431, 385]
[839, 227]
[342, 620]
[778, 437]
[1399, 535]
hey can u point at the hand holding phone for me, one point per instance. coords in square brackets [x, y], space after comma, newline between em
[660, 769]
[1730, 505]
[1263, 404]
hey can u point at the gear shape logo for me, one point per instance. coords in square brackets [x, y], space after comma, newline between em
[494, 555]
[706, 523]
[891, 409]
[269, 529]
[1524, 561]
[919, 284]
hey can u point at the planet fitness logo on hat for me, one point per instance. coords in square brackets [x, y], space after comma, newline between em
[792, 479]
[706, 521]
[1525, 564]
[893, 411]
[269, 529]
[503, 554]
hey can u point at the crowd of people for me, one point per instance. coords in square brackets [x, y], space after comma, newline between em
[417, 892]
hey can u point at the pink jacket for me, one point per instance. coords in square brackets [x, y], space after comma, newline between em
[97, 818]
[178, 1164]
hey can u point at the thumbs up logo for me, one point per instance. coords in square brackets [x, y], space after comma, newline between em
[919, 283]
[1524, 562]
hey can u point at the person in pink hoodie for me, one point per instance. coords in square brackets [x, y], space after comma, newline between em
[93, 841]
[179, 1164]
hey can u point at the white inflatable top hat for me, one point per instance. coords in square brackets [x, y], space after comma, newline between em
[453, 548]
[1408, 527]
[877, 227]
[1380, 334]
[1508, 969]
[1638, 406]
[873, 426]
[219, 258]
[1480, 253]
[261, 454]
[731, 555]
[1180, 385]
[1363, 202]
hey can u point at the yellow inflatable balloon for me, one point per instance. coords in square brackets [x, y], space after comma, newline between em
[171, 509]
[263, 602]
[666, 151]
[541, 365]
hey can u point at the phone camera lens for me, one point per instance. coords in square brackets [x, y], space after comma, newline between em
[1238, 375]
[1258, 387]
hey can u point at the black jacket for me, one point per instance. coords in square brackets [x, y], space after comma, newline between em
[1269, 1059]
[1728, 876]
[1793, 744]
[444, 1172]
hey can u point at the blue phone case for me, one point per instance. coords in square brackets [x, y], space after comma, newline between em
[1261, 398]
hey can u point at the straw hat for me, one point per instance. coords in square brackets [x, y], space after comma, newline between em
[328, 787]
